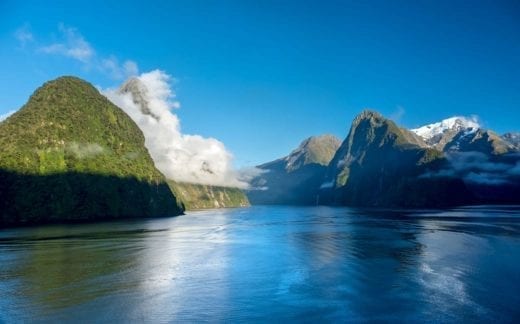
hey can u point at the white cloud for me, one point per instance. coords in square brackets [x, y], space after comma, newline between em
[479, 168]
[71, 44]
[24, 34]
[130, 68]
[397, 114]
[149, 100]
[85, 150]
[7, 114]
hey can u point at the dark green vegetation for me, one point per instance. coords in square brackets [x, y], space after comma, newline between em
[296, 178]
[69, 154]
[197, 196]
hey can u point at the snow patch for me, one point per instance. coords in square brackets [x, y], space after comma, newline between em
[457, 123]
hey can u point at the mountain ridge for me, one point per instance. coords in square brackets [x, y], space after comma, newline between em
[380, 164]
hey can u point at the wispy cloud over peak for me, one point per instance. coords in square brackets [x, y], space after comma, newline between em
[119, 71]
[71, 44]
[24, 34]
[398, 114]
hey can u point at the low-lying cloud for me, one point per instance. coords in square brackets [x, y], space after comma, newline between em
[479, 168]
[85, 150]
[149, 100]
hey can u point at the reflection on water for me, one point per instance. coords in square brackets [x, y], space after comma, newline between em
[269, 263]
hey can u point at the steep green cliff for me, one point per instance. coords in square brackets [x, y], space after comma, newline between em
[197, 196]
[71, 155]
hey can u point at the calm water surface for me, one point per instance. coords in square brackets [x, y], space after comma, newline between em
[269, 264]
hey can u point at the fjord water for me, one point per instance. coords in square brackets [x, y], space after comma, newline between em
[269, 264]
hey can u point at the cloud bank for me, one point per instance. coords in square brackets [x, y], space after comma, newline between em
[479, 168]
[149, 100]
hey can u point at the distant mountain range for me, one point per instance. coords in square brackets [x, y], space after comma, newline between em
[452, 162]
[296, 178]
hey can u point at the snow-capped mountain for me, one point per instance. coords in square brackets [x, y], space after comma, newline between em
[439, 134]
[456, 124]
[463, 134]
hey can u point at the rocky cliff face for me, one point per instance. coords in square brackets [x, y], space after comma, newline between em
[71, 155]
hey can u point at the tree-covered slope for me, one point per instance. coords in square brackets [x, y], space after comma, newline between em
[198, 196]
[66, 146]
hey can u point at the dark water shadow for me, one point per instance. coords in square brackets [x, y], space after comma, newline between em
[77, 197]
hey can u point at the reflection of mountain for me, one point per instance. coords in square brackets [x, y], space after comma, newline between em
[296, 178]
[60, 267]
[71, 155]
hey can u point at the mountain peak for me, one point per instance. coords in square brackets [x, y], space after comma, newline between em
[368, 114]
[452, 124]
[139, 93]
[315, 149]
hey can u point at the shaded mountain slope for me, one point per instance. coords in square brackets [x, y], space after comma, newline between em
[296, 178]
[380, 164]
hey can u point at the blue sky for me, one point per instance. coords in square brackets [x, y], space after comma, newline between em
[262, 75]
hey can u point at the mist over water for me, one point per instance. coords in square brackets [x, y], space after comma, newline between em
[269, 263]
